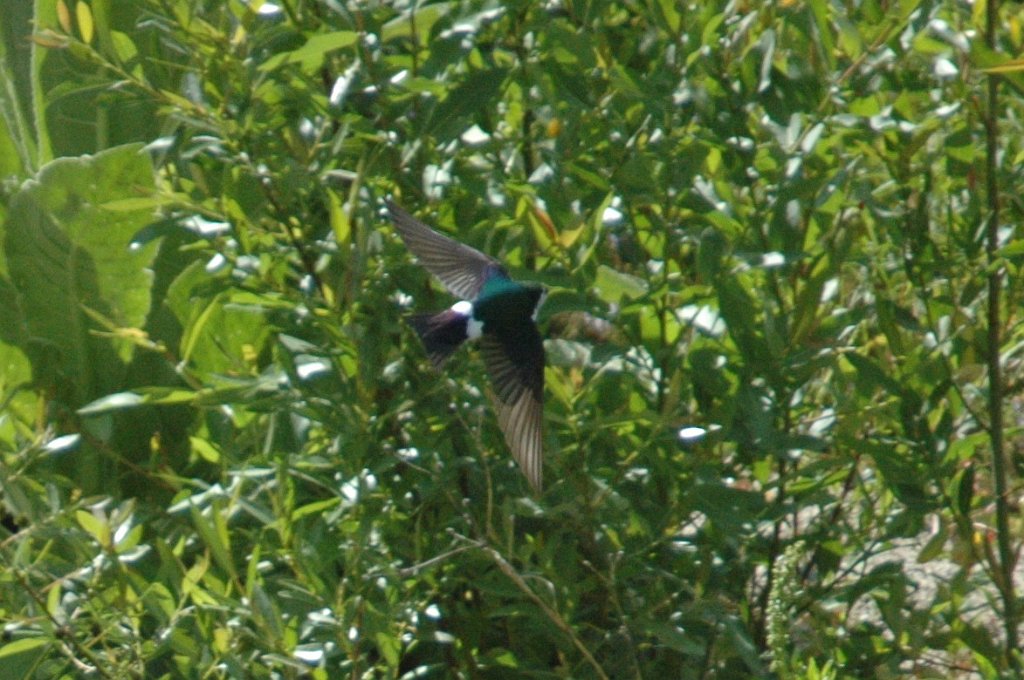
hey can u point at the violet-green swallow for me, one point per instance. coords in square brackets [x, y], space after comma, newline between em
[499, 312]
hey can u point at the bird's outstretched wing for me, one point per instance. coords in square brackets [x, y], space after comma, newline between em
[462, 270]
[517, 372]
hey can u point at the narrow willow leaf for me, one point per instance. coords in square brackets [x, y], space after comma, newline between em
[214, 535]
[64, 16]
[85, 23]
[205, 449]
[311, 55]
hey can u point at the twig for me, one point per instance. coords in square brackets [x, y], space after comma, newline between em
[406, 572]
[521, 584]
[1005, 566]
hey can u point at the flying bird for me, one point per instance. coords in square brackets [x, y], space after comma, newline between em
[502, 315]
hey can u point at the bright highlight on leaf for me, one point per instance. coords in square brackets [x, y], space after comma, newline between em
[65, 443]
[1011, 66]
[205, 449]
[85, 23]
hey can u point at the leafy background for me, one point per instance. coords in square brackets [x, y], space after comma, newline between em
[782, 421]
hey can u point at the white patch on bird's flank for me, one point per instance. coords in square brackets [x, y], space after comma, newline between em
[536, 310]
[474, 328]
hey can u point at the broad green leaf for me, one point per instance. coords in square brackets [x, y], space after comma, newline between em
[614, 286]
[339, 220]
[20, 658]
[64, 251]
[15, 375]
[588, 175]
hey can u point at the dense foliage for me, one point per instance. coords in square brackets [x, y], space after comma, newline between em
[782, 333]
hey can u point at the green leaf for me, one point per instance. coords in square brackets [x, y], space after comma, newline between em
[310, 56]
[144, 396]
[820, 12]
[389, 647]
[85, 22]
[670, 15]
[962, 489]
[112, 402]
[213, 531]
[22, 646]
[420, 20]
[613, 286]
[64, 251]
[933, 549]
[456, 113]
[98, 527]
[738, 308]
[205, 449]
[220, 328]
[674, 637]
[711, 254]
[871, 377]
[19, 659]
[317, 508]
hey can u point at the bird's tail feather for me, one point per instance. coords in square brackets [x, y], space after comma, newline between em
[441, 333]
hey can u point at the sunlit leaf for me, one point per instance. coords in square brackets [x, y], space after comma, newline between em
[85, 23]
[65, 251]
[310, 56]
[614, 286]
[205, 449]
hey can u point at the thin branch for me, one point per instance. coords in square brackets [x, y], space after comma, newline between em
[413, 570]
[1005, 567]
[552, 614]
